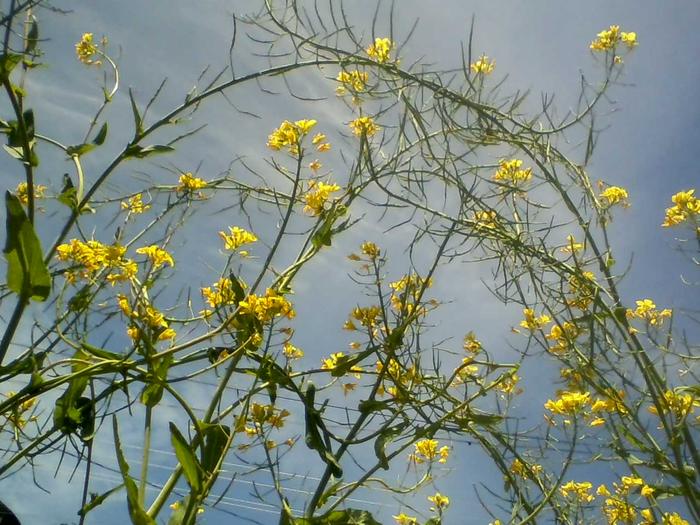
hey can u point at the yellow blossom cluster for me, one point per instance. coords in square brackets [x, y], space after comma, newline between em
[93, 256]
[188, 183]
[17, 416]
[617, 507]
[578, 490]
[429, 450]
[366, 315]
[221, 293]
[511, 172]
[609, 38]
[364, 127]
[290, 135]
[157, 255]
[337, 359]
[236, 238]
[380, 51]
[86, 50]
[405, 519]
[646, 311]
[292, 352]
[686, 208]
[681, 405]
[563, 335]
[532, 321]
[486, 219]
[407, 292]
[145, 316]
[508, 384]
[569, 403]
[354, 80]
[525, 470]
[582, 288]
[441, 502]
[370, 249]
[396, 374]
[266, 308]
[483, 66]
[317, 197]
[260, 415]
[472, 344]
[571, 245]
[613, 195]
[135, 204]
[23, 195]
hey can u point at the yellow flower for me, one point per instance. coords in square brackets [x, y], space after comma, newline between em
[441, 502]
[315, 165]
[614, 195]
[524, 470]
[290, 134]
[381, 49]
[581, 491]
[267, 307]
[355, 80]
[364, 126]
[471, 343]
[221, 294]
[23, 195]
[533, 322]
[236, 238]
[483, 66]
[646, 311]
[189, 183]
[569, 403]
[571, 245]
[85, 49]
[156, 255]
[427, 450]
[370, 249]
[630, 39]
[673, 519]
[292, 352]
[679, 404]
[486, 219]
[404, 519]
[337, 359]
[510, 171]
[686, 209]
[135, 204]
[608, 39]
[317, 197]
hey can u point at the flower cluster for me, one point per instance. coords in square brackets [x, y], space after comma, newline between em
[23, 195]
[579, 491]
[145, 317]
[396, 374]
[354, 80]
[338, 359]
[135, 204]
[317, 197]
[261, 415]
[236, 238]
[614, 195]
[86, 50]
[290, 135]
[364, 127]
[532, 321]
[405, 519]
[407, 292]
[292, 352]
[583, 289]
[483, 66]
[681, 405]
[93, 256]
[158, 256]
[569, 403]
[380, 51]
[525, 470]
[441, 502]
[188, 183]
[486, 219]
[221, 293]
[266, 308]
[17, 416]
[686, 208]
[646, 311]
[563, 335]
[609, 38]
[429, 450]
[510, 172]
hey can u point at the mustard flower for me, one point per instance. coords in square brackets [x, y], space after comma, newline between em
[441, 502]
[569, 403]
[580, 491]
[355, 80]
[86, 49]
[609, 38]
[686, 209]
[404, 519]
[483, 66]
[23, 195]
[318, 195]
[380, 51]
[236, 238]
[534, 322]
[135, 204]
[614, 195]
[510, 172]
[364, 126]
[189, 183]
[156, 255]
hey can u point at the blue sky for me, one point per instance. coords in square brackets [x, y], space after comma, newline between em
[654, 128]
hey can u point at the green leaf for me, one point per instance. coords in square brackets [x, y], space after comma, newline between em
[7, 64]
[97, 500]
[27, 275]
[137, 514]
[79, 149]
[138, 123]
[323, 235]
[101, 135]
[215, 445]
[140, 152]
[385, 437]
[186, 457]
[153, 392]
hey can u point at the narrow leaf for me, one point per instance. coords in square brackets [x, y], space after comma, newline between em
[185, 455]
